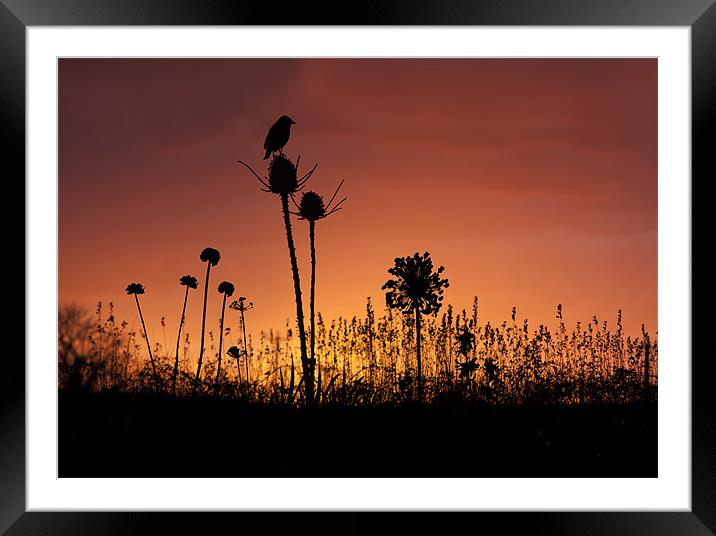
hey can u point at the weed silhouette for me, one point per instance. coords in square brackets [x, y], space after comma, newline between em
[312, 208]
[418, 290]
[227, 289]
[188, 281]
[241, 306]
[370, 360]
[283, 180]
[135, 289]
[211, 257]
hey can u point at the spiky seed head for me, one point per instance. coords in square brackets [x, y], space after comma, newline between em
[188, 281]
[282, 175]
[135, 288]
[311, 207]
[210, 255]
[226, 288]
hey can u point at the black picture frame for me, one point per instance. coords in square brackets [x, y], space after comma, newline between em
[699, 15]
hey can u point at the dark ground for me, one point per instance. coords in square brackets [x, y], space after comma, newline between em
[129, 435]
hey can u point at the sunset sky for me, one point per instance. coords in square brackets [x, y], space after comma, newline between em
[534, 182]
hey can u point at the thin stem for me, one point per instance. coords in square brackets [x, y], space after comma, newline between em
[246, 350]
[149, 347]
[307, 369]
[203, 326]
[176, 357]
[417, 347]
[221, 340]
[312, 233]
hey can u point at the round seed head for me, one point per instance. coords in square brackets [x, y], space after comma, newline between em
[226, 288]
[188, 281]
[282, 175]
[135, 288]
[311, 207]
[210, 255]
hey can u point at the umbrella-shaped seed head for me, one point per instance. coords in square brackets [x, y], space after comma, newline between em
[240, 304]
[415, 285]
[188, 281]
[135, 288]
[311, 207]
[234, 352]
[226, 288]
[210, 255]
[282, 175]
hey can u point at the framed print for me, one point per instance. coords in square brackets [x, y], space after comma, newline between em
[405, 260]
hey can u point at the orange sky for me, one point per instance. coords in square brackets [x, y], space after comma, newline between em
[534, 182]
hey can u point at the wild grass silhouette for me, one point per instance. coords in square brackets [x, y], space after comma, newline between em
[241, 306]
[371, 361]
[188, 281]
[226, 289]
[135, 289]
[211, 257]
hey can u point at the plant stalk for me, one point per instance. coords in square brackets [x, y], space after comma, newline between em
[176, 357]
[306, 365]
[203, 327]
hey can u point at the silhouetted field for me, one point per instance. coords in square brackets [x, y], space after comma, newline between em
[410, 393]
[113, 434]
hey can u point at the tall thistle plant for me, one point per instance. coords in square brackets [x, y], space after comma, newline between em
[283, 180]
[312, 208]
[415, 289]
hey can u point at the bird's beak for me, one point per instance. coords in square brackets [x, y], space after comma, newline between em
[293, 122]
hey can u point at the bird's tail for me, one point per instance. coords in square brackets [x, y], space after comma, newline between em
[268, 153]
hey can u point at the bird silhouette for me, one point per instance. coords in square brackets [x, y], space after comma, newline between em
[278, 135]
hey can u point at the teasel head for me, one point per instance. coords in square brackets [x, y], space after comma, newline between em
[283, 176]
[312, 207]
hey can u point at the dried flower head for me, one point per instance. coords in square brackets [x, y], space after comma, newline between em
[241, 305]
[282, 175]
[135, 288]
[311, 207]
[188, 281]
[234, 352]
[210, 255]
[226, 288]
[415, 285]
